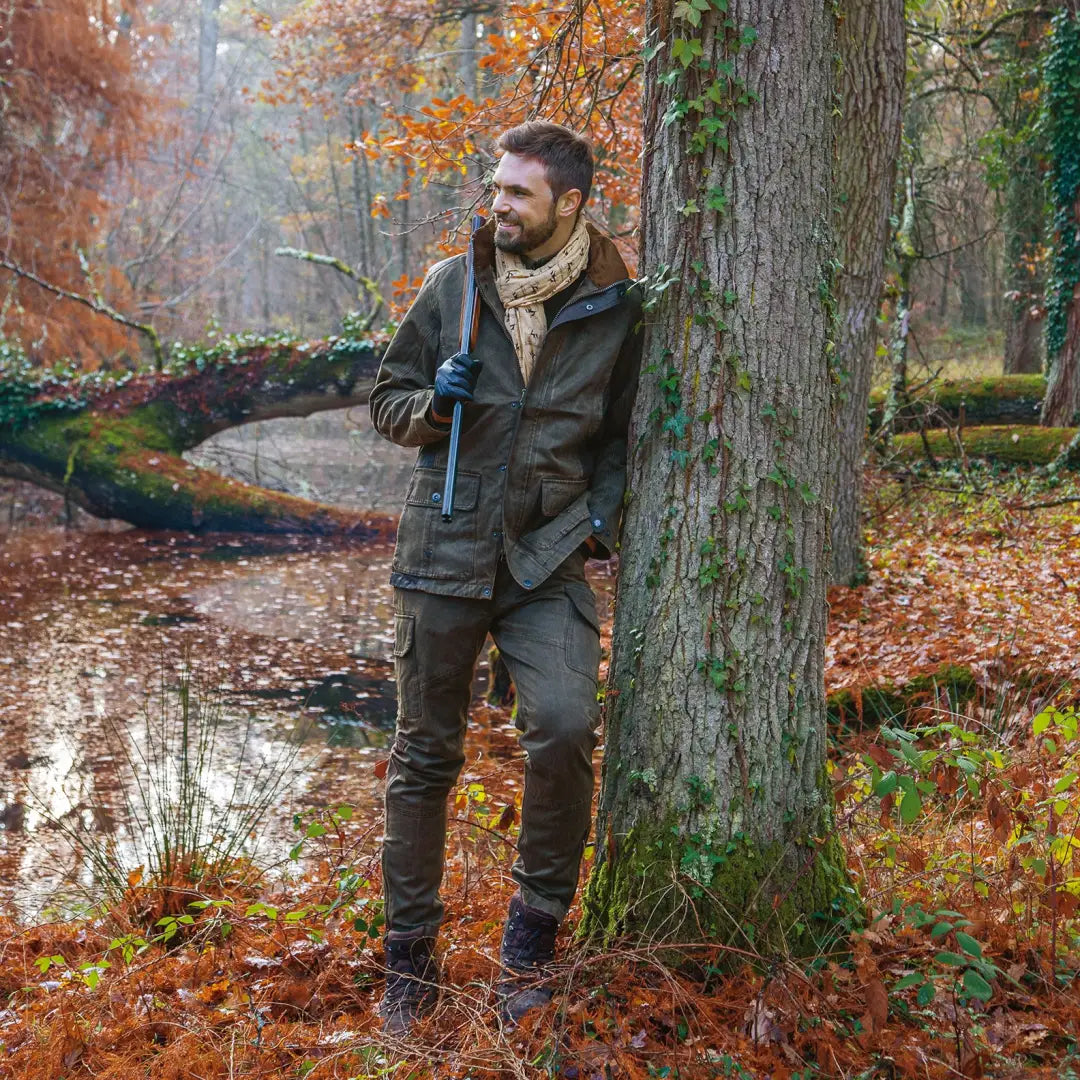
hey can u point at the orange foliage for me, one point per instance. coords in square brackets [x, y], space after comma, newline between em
[580, 66]
[282, 979]
[73, 111]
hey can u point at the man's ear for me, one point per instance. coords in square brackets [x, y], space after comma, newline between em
[568, 203]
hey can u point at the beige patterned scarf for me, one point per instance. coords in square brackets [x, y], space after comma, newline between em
[523, 292]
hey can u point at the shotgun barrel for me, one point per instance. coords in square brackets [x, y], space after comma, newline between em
[468, 314]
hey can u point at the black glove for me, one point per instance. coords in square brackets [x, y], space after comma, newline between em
[455, 381]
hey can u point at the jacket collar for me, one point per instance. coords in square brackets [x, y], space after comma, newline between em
[604, 268]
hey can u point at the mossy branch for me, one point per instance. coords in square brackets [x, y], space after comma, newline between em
[367, 284]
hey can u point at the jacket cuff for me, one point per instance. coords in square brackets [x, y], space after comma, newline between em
[604, 534]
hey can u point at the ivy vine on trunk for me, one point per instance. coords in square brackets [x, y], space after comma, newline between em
[716, 814]
[1061, 118]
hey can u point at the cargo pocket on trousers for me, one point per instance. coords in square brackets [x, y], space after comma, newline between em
[405, 667]
[582, 632]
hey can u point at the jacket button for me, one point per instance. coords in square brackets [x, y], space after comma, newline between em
[527, 583]
[588, 307]
[436, 497]
[487, 591]
[598, 523]
[502, 468]
[515, 404]
[497, 533]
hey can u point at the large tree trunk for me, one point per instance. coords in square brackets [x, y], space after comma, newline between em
[1062, 404]
[116, 450]
[871, 47]
[1025, 205]
[716, 814]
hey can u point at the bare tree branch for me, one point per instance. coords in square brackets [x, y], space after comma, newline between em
[97, 305]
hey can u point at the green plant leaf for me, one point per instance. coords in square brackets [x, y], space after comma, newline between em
[950, 958]
[977, 986]
[968, 944]
[916, 978]
[886, 785]
[1065, 783]
[910, 806]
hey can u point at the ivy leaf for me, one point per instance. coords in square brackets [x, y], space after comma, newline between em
[686, 11]
[716, 199]
[685, 50]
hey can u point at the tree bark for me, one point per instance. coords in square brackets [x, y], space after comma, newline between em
[871, 47]
[972, 277]
[716, 814]
[208, 43]
[1062, 73]
[116, 451]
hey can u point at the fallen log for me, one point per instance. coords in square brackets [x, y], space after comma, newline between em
[114, 444]
[973, 402]
[1008, 445]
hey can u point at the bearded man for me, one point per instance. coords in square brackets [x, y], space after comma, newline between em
[547, 391]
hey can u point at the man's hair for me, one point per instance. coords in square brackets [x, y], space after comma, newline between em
[566, 156]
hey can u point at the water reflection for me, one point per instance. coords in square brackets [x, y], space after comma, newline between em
[295, 636]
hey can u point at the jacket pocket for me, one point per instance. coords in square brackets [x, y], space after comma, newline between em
[404, 632]
[556, 493]
[426, 489]
[553, 533]
[429, 547]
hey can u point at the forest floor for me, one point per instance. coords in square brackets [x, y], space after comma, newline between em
[960, 815]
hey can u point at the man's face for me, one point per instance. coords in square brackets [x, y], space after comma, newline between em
[524, 207]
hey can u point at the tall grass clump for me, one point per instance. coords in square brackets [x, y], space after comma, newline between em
[193, 787]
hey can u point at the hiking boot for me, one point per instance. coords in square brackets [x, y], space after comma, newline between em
[412, 979]
[528, 949]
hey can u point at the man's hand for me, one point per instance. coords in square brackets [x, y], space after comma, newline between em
[455, 381]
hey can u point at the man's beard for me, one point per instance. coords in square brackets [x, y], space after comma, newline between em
[530, 237]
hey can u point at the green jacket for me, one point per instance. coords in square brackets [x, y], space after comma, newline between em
[539, 469]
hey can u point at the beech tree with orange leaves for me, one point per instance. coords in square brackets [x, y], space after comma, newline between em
[425, 88]
[74, 110]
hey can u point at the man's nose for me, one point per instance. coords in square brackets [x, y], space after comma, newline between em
[499, 204]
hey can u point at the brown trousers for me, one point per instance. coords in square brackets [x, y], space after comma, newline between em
[549, 638]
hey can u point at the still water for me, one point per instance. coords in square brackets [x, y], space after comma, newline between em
[287, 642]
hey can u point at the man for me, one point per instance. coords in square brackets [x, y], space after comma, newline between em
[547, 392]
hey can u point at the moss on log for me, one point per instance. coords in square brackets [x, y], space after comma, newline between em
[1017, 445]
[1001, 399]
[115, 447]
